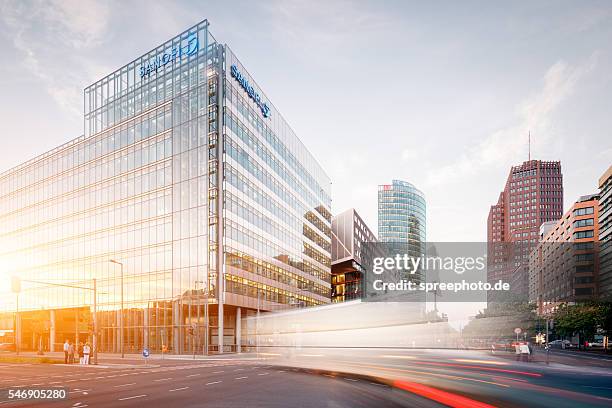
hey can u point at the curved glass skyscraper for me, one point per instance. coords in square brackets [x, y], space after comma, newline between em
[402, 215]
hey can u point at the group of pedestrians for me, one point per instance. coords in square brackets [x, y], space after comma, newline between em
[81, 351]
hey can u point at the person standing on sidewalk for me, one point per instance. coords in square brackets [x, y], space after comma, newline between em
[71, 354]
[86, 351]
[80, 351]
[66, 348]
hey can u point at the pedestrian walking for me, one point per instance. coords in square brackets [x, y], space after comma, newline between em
[86, 351]
[517, 351]
[530, 348]
[71, 353]
[66, 348]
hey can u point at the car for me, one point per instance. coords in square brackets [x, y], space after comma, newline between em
[561, 344]
[596, 344]
[7, 347]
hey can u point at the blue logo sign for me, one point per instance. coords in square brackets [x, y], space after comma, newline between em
[145, 353]
[170, 56]
[265, 109]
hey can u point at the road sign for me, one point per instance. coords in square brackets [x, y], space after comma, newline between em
[517, 330]
[145, 353]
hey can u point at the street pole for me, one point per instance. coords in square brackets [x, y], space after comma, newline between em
[17, 327]
[206, 315]
[547, 347]
[95, 322]
[257, 326]
[121, 320]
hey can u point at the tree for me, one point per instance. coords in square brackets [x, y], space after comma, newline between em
[583, 319]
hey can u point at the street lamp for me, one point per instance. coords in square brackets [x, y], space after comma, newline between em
[121, 320]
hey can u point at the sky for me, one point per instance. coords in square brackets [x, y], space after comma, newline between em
[442, 95]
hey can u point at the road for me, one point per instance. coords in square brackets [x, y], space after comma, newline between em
[322, 377]
[235, 383]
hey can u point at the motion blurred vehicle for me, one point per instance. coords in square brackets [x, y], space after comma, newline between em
[596, 344]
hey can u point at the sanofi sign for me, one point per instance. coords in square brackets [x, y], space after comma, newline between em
[177, 52]
[265, 109]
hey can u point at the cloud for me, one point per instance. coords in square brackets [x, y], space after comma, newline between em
[313, 27]
[48, 37]
[534, 115]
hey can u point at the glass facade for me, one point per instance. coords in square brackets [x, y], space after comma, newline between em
[402, 216]
[210, 209]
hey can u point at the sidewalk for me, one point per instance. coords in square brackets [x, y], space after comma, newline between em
[558, 357]
[103, 357]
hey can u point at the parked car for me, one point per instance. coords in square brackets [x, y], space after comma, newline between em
[7, 346]
[598, 343]
[561, 344]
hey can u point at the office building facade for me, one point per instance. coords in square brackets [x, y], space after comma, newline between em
[402, 214]
[193, 184]
[564, 266]
[349, 237]
[533, 194]
[605, 235]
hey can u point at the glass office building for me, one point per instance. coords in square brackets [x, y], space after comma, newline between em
[401, 216]
[196, 188]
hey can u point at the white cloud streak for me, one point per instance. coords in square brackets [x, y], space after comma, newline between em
[534, 114]
[47, 35]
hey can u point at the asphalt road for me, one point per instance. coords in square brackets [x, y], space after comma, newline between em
[223, 383]
[498, 380]
[323, 377]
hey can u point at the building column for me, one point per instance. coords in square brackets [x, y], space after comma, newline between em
[117, 340]
[238, 329]
[146, 328]
[175, 328]
[52, 331]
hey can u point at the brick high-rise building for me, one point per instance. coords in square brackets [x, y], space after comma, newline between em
[564, 267]
[605, 234]
[533, 194]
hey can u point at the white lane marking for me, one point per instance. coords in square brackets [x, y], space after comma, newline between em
[193, 375]
[99, 378]
[240, 378]
[71, 381]
[398, 357]
[263, 373]
[129, 398]
[123, 385]
[239, 369]
[214, 382]
[312, 355]
[350, 379]
[55, 382]
[163, 379]
[178, 389]
[218, 372]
